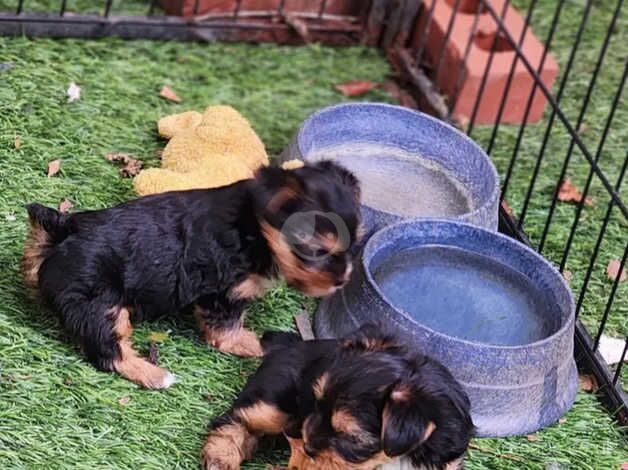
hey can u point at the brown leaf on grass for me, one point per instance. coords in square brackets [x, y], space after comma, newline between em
[588, 383]
[53, 167]
[169, 94]
[158, 336]
[299, 26]
[624, 466]
[153, 354]
[532, 437]
[65, 206]
[568, 275]
[17, 143]
[613, 270]
[507, 208]
[356, 88]
[209, 397]
[562, 420]
[129, 166]
[568, 192]
[399, 94]
[124, 400]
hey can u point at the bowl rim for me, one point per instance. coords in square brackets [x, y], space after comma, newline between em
[370, 250]
[487, 203]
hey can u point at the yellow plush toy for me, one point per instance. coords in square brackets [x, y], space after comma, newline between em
[208, 150]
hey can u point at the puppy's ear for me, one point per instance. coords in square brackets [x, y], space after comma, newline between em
[372, 337]
[347, 178]
[405, 421]
[277, 187]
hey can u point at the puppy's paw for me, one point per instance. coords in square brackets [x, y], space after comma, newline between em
[226, 447]
[241, 342]
[144, 374]
[215, 464]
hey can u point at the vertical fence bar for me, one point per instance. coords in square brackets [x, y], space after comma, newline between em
[151, 8]
[236, 10]
[611, 298]
[107, 8]
[197, 4]
[511, 76]
[463, 63]
[489, 63]
[321, 10]
[620, 363]
[62, 9]
[598, 154]
[550, 122]
[450, 28]
[583, 110]
[280, 7]
[420, 50]
[600, 238]
[20, 7]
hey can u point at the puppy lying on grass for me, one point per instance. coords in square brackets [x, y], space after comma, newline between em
[354, 403]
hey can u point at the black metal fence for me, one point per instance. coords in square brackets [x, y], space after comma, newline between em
[544, 120]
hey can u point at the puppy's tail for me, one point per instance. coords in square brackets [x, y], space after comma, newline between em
[274, 340]
[47, 228]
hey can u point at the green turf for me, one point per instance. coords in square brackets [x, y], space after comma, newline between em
[57, 412]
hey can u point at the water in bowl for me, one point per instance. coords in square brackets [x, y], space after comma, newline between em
[400, 182]
[466, 295]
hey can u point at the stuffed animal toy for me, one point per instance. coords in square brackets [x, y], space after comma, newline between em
[208, 150]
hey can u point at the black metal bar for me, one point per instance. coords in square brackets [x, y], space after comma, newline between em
[600, 238]
[107, 8]
[511, 76]
[583, 110]
[450, 28]
[620, 363]
[550, 122]
[598, 154]
[611, 298]
[151, 8]
[322, 8]
[20, 7]
[561, 115]
[420, 50]
[280, 8]
[487, 69]
[62, 9]
[197, 4]
[236, 10]
[463, 63]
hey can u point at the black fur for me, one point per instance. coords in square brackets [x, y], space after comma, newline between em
[159, 254]
[363, 371]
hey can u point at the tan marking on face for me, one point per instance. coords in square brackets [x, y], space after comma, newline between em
[328, 459]
[37, 241]
[252, 287]
[227, 447]
[237, 340]
[319, 386]
[283, 195]
[130, 365]
[309, 281]
[343, 421]
[263, 417]
[369, 344]
[331, 243]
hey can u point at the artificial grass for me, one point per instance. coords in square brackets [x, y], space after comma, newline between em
[58, 412]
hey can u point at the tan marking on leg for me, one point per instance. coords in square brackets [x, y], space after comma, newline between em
[130, 365]
[227, 447]
[252, 287]
[263, 418]
[36, 242]
[319, 386]
[238, 340]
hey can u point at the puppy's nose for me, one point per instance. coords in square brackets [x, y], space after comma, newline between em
[311, 453]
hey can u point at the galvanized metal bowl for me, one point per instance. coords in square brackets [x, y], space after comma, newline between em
[410, 164]
[493, 311]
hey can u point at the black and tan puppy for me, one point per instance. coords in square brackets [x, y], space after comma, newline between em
[352, 404]
[211, 250]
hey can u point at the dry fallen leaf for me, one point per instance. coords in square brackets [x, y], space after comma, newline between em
[568, 192]
[124, 400]
[568, 275]
[169, 94]
[129, 166]
[158, 336]
[562, 420]
[11, 218]
[209, 397]
[507, 208]
[613, 270]
[74, 92]
[532, 437]
[588, 383]
[17, 143]
[53, 167]
[65, 206]
[153, 354]
[356, 88]
[624, 466]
